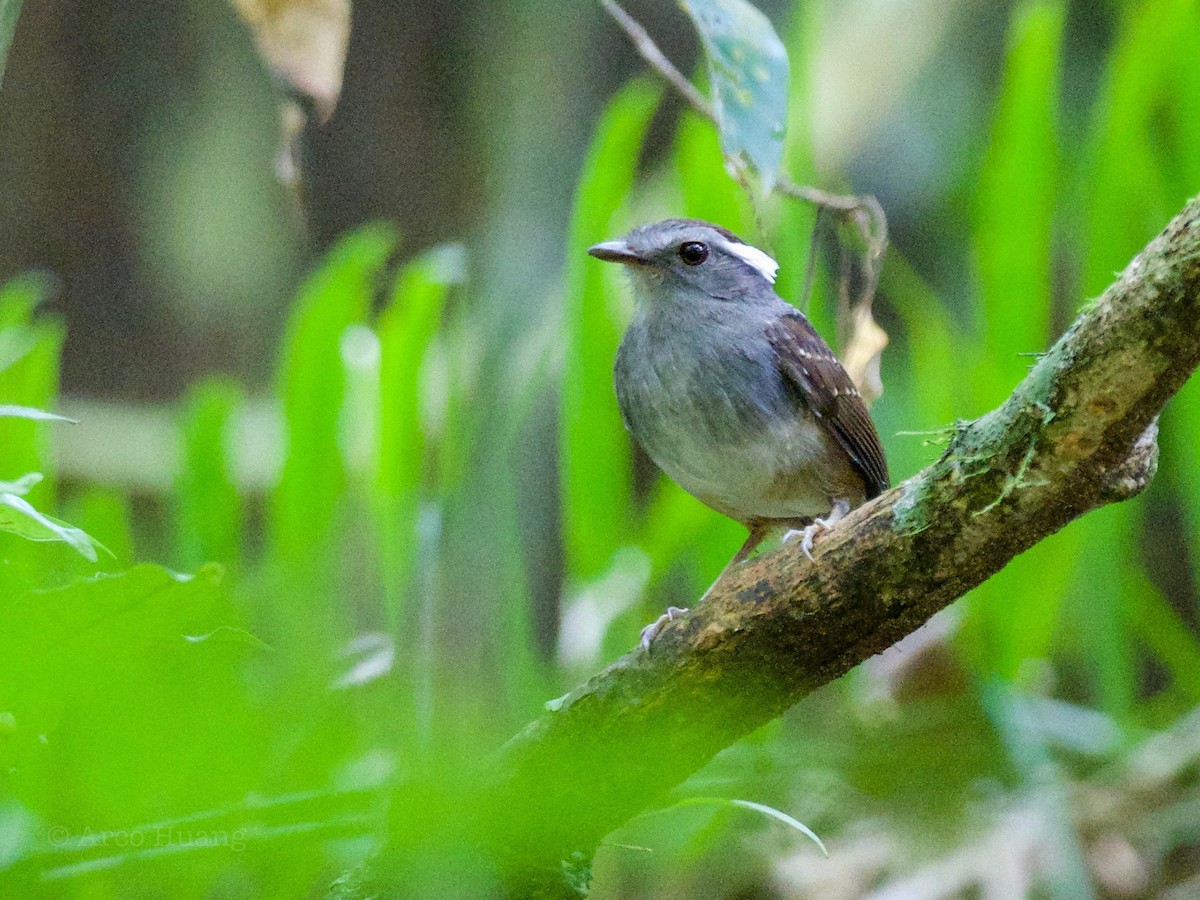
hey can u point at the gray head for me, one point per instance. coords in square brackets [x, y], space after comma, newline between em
[691, 254]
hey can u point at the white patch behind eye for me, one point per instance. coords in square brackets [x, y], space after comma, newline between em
[755, 258]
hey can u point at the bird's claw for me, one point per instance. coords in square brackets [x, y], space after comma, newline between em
[650, 632]
[807, 535]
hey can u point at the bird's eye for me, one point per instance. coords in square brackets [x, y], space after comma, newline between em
[693, 252]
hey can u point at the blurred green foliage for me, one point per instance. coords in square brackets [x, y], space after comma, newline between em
[10, 10]
[230, 732]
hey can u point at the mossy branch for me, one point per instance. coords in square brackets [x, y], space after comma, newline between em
[1076, 434]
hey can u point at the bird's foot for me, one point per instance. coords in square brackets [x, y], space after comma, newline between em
[808, 534]
[650, 632]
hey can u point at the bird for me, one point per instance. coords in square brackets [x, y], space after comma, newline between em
[732, 393]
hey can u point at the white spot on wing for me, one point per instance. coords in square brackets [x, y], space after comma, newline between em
[756, 258]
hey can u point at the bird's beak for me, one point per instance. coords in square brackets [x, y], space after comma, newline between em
[616, 251]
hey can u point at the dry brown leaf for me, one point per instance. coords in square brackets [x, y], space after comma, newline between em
[303, 42]
[862, 353]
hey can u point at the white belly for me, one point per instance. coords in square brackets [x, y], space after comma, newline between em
[762, 478]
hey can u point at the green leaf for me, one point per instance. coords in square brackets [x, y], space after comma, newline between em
[18, 516]
[10, 10]
[407, 329]
[20, 296]
[1108, 537]
[208, 508]
[1142, 131]
[1014, 216]
[679, 528]
[105, 514]
[1151, 618]
[707, 190]
[596, 469]
[748, 71]
[29, 357]
[312, 384]
[926, 392]
[1180, 433]
[1013, 616]
[109, 691]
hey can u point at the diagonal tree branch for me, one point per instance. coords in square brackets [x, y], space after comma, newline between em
[1068, 439]
[1077, 433]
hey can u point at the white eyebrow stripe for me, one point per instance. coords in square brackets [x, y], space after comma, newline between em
[754, 258]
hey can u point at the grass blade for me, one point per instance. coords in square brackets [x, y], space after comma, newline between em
[1014, 217]
[311, 381]
[208, 508]
[762, 808]
[1129, 190]
[407, 329]
[596, 480]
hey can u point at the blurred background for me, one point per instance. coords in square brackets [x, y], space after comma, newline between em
[342, 376]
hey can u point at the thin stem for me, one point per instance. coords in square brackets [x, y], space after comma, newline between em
[865, 212]
[648, 50]
[810, 270]
[846, 267]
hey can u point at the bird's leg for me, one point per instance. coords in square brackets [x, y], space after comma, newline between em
[758, 531]
[806, 534]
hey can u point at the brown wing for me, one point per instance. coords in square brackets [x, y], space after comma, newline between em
[807, 362]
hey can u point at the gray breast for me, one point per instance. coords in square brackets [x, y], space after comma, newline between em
[712, 411]
[709, 384]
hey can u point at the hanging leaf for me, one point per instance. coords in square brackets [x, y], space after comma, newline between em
[748, 72]
[596, 483]
[304, 43]
[862, 354]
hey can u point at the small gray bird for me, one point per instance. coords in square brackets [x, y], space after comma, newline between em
[732, 393]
